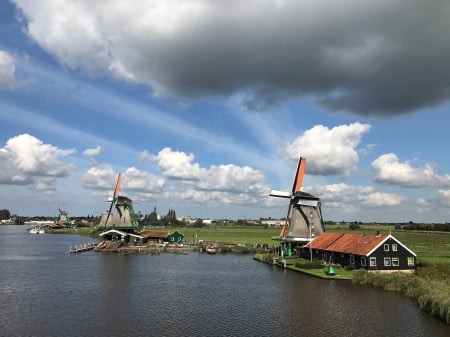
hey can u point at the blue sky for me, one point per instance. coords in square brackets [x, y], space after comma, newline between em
[204, 107]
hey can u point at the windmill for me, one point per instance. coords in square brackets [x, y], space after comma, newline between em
[64, 220]
[123, 215]
[304, 213]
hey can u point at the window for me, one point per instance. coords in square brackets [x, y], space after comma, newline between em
[373, 261]
[363, 261]
[395, 261]
[410, 261]
[394, 247]
[386, 247]
[387, 261]
[352, 259]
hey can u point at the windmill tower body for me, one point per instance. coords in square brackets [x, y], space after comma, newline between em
[121, 214]
[304, 213]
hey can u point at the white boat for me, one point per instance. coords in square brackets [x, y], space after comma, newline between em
[37, 230]
[210, 250]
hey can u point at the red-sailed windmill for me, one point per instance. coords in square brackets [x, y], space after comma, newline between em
[304, 213]
[121, 214]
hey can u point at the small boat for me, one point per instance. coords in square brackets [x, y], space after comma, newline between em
[210, 250]
[37, 230]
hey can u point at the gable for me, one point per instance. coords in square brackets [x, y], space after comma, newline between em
[396, 241]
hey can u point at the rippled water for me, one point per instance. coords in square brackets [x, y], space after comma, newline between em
[48, 292]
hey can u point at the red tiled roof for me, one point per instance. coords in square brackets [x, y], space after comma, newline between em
[358, 244]
[155, 234]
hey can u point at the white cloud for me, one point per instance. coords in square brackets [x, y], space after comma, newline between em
[178, 165]
[145, 156]
[444, 198]
[233, 178]
[93, 152]
[139, 181]
[230, 182]
[26, 160]
[354, 198]
[100, 177]
[7, 70]
[329, 151]
[389, 170]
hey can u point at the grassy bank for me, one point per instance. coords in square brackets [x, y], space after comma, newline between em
[433, 296]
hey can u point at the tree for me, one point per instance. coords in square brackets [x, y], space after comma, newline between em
[153, 215]
[5, 214]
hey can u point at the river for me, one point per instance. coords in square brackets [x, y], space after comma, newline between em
[46, 291]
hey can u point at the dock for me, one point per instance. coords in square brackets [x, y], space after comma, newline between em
[82, 248]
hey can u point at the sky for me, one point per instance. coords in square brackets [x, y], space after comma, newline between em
[205, 106]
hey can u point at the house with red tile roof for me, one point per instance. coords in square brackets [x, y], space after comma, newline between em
[361, 251]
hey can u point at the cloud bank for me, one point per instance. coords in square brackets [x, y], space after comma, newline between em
[357, 56]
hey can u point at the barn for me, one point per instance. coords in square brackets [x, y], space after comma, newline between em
[361, 251]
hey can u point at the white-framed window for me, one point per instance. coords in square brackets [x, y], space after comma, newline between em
[373, 261]
[363, 261]
[394, 247]
[395, 261]
[352, 259]
[386, 247]
[387, 261]
[410, 261]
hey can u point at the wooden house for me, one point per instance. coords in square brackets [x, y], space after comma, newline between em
[126, 238]
[361, 251]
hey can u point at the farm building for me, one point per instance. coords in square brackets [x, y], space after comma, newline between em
[118, 238]
[361, 251]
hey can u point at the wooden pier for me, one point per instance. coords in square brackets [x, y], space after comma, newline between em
[82, 248]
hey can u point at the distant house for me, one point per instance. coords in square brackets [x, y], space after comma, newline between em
[125, 238]
[143, 238]
[362, 251]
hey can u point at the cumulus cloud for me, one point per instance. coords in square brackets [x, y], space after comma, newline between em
[359, 56]
[349, 198]
[178, 165]
[26, 160]
[444, 198]
[222, 178]
[145, 156]
[100, 177]
[136, 184]
[7, 70]
[140, 181]
[389, 170]
[329, 151]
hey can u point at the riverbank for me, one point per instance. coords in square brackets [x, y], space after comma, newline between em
[312, 268]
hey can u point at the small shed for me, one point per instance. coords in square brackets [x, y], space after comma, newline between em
[175, 237]
[362, 251]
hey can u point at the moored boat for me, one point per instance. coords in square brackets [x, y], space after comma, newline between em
[210, 250]
[37, 230]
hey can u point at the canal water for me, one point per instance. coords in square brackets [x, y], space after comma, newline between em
[45, 291]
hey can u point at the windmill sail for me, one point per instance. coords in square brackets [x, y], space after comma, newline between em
[116, 193]
[299, 176]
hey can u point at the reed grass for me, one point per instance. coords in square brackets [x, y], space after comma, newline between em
[432, 296]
